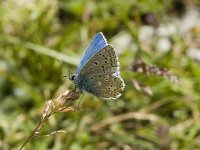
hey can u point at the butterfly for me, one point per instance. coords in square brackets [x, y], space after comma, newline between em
[98, 72]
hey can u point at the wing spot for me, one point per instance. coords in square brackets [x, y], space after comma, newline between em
[108, 47]
[96, 63]
[99, 76]
[99, 83]
[112, 52]
[113, 64]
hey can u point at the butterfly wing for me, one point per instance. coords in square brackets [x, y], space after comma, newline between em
[104, 61]
[100, 76]
[97, 43]
[104, 86]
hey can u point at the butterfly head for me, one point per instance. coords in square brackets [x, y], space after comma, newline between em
[73, 77]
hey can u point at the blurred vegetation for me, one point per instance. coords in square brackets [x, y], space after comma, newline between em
[43, 40]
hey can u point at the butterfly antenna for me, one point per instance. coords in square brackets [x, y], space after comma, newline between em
[65, 76]
[62, 64]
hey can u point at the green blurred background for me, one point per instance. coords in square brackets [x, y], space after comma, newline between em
[43, 40]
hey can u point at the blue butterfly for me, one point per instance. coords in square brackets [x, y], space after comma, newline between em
[98, 71]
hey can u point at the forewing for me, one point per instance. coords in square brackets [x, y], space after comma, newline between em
[97, 43]
[104, 61]
[104, 86]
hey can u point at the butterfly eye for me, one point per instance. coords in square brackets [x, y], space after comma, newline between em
[73, 77]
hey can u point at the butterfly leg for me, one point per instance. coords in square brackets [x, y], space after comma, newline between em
[79, 102]
[75, 88]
